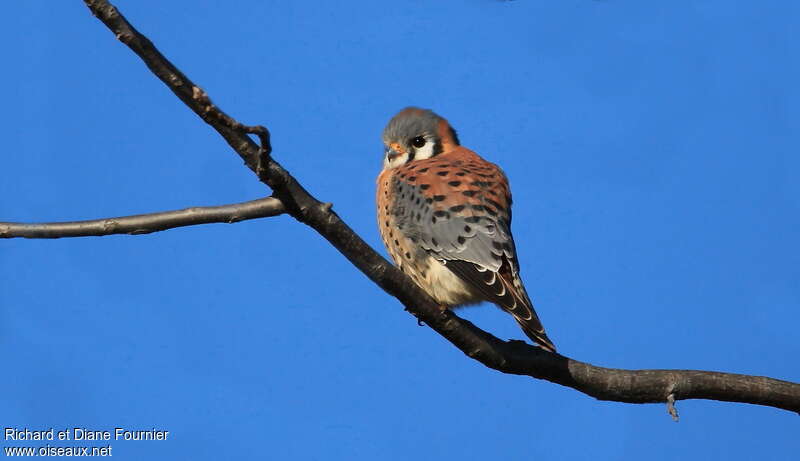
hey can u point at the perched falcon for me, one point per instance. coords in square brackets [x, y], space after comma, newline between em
[445, 216]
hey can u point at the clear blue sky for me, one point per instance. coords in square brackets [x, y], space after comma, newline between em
[652, 149]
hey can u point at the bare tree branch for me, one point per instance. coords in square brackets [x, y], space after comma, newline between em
[515, 357]
[146, 223]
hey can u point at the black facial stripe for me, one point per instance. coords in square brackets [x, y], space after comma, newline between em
[411, 153]
[455, 136]
[437, 148]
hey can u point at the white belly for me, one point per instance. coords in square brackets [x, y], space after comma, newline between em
[446, 287]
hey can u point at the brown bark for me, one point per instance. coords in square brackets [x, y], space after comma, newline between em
[146, 223]
[515, 357]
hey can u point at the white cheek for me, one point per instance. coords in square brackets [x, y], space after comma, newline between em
[397, 161]
[421, 153]
[425, 151]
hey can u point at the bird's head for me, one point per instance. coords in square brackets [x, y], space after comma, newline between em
[416, 134]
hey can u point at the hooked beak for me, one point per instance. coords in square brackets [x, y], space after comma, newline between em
[391, 153]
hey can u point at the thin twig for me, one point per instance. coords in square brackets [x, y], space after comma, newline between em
[671, 407]
[146, 223]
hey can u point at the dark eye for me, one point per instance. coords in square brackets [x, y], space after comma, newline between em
[418, 142]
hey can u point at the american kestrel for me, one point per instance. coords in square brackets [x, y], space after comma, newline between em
[445, 216]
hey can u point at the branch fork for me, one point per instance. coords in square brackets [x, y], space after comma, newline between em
[289, 196]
